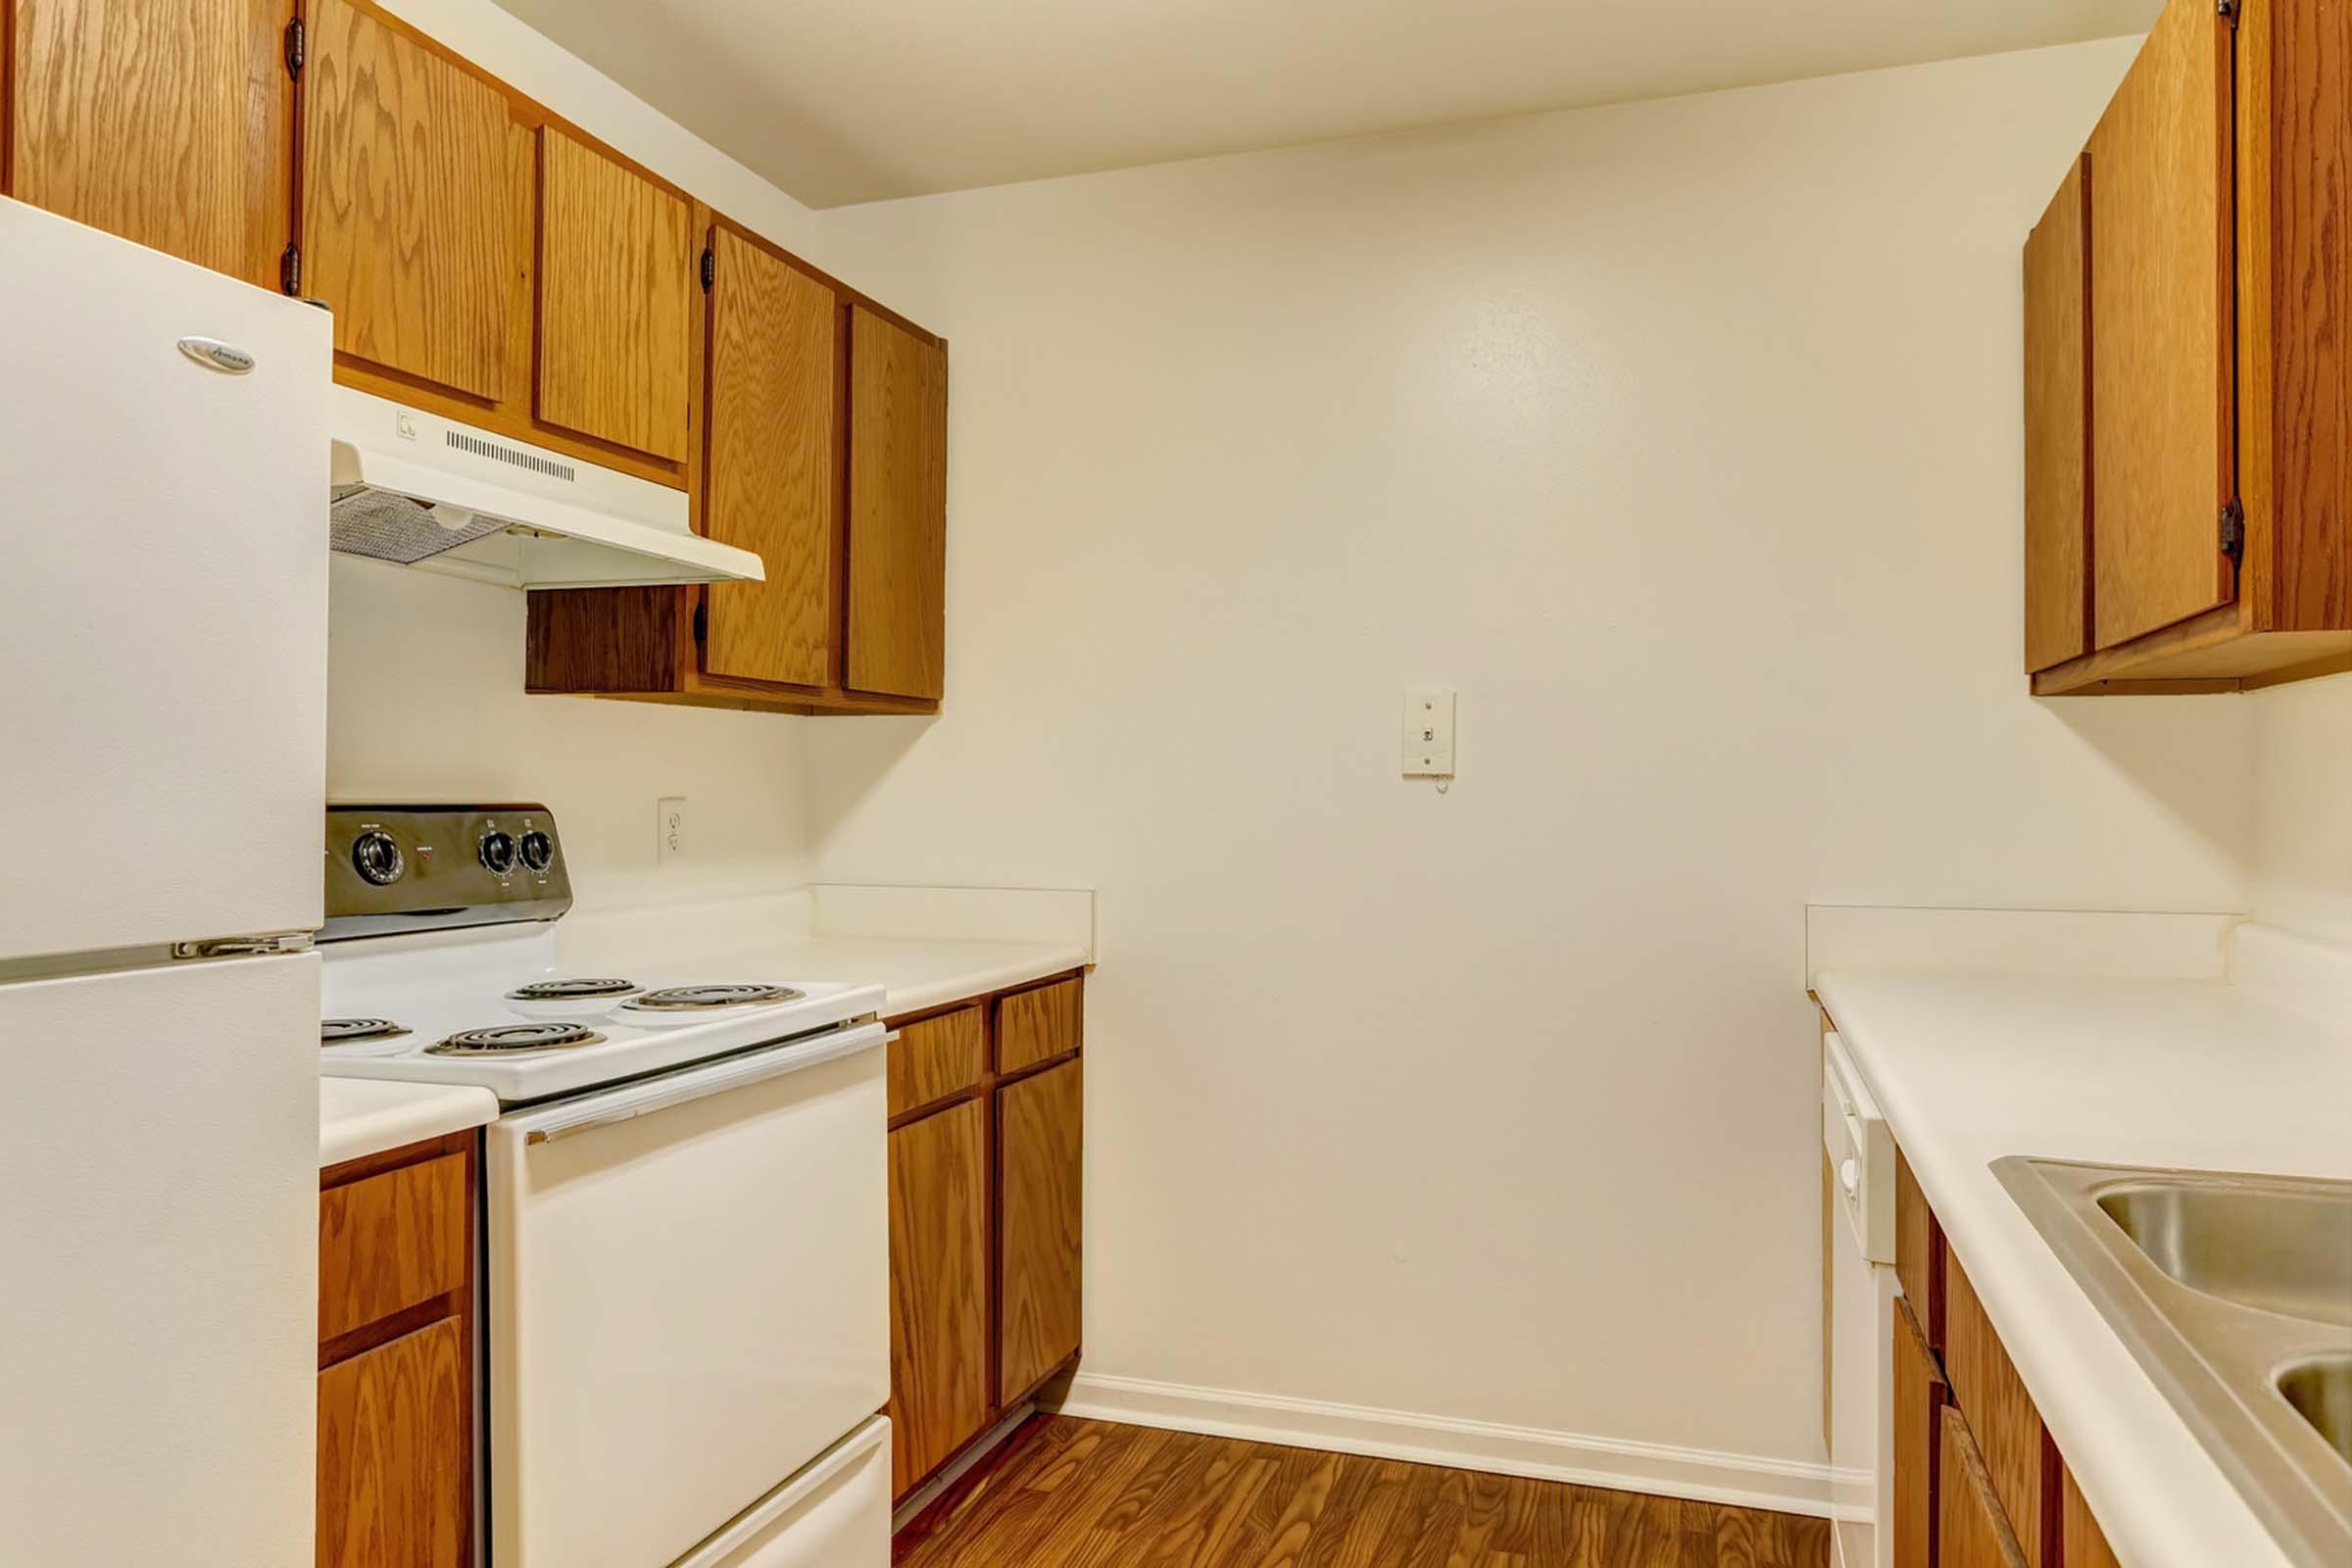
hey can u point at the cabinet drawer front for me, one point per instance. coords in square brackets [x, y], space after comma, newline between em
[1971, 1530]
[395, 1468]
[388, 1242]
[2001, 1417]
[934, 1059]
[1033, 1026]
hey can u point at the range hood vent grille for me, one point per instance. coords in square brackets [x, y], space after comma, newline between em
[389, 526]
[506, 454]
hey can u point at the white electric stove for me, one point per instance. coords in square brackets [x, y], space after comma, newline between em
[685, 1247]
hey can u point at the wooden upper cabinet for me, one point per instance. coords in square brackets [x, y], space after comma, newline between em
[2058, 518]
[618, 301]
[897, 633]
[772, 485]
[2161, 355]
[415, 205]
[1040, 1123]
[165, 122]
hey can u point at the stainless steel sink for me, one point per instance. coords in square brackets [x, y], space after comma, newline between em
[2234, 1293]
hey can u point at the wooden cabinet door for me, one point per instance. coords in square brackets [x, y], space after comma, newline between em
[898, 510]
[617, 301]
[774, 485]
[1970, 1530]
[2058, 520]
[938, 1289]
[2162, 401]
[1039, 1146]
[416, 204]
[165, 122]
[2084, 1543]
[395, 1474]
[2005, 1426]
[1919, 1397]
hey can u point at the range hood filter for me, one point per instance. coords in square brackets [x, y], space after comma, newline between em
[361, 520]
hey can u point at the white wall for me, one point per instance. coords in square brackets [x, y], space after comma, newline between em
[426, 700]
[2303, 806]
[1685, 438]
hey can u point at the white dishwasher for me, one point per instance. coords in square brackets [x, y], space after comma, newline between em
[1861, 1284]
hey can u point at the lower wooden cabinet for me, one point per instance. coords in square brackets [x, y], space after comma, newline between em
[396, 1357]
[2007, 1428]
[939, 1396]
[393, 1483]
[1040, 1123]
[986, 1154]
[1972, 1531]
[2083, 1544]
[1920, 1396]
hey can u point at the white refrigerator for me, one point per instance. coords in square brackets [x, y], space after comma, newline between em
[163, 689]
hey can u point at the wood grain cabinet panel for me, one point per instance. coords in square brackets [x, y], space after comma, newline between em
[935, 1058]
[1920, 1394]
[1040, 1151]
[617, 301]
[1037, 1025]
[416, 204]
[2058, 492]
[938, 1397]
[2161, 355]
[896, 634]
[1970, 1530]
[395, 1473]
[165, 122]
[390, 1241]
[772, 486]
[1919, 1253]
[2084, 1543]
[2001, 1417]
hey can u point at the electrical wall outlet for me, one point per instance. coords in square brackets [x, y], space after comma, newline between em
[670, 829]
[1427, 732]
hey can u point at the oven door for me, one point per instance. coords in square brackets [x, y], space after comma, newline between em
[687, 1297]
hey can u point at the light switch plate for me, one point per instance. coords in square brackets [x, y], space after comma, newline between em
[1427, 732]
[669, 824]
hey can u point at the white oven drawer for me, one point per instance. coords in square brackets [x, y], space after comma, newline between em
[835, 1514]
[687, 1299]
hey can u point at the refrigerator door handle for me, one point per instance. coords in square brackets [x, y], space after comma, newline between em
[679, 1089]
[268, 944]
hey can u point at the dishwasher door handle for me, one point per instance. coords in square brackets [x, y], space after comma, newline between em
[680, 1088]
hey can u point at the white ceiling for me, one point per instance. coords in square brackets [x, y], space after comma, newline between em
[843, 101]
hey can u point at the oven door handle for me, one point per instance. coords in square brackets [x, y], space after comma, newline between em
[683, 1088]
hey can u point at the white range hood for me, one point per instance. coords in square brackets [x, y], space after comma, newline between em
[414, 487]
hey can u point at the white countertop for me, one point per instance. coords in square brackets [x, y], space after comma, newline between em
[2185, 1074]
[360, 1117]
[916, 973]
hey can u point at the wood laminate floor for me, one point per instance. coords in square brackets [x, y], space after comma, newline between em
[1091, 1494]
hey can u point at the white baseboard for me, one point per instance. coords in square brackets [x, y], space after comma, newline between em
[1660, 1470]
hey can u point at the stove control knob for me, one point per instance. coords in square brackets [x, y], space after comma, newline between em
[538, 850]
[498, 850]
[377, 856]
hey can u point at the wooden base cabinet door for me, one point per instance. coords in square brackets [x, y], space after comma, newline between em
[1040, 1146]
[1972, 1531]
[395, 1474]
[165, 122]
[1920, 1397]
[415, 207]
[898, 510]
[938, 1289]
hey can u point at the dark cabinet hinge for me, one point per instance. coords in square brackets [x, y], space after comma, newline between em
[710, 268]
[294, 48]
[289, 269]
[702, 623]
[2233, 531]
[2230, 9]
